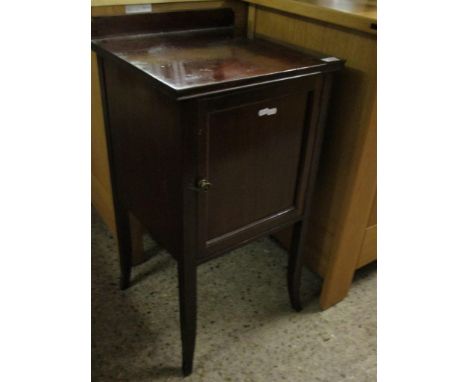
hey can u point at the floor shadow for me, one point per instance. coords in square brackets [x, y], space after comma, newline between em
[135, 333]
[365, 272]
[119, 329]
[157, 263]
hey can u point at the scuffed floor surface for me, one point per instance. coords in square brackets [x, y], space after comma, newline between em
[246, 328]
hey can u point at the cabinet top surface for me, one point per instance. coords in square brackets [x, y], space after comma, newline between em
[193, 59]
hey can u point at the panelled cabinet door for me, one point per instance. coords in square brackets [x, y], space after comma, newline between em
[252, 155]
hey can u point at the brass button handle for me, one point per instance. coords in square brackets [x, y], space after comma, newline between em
[204, 185]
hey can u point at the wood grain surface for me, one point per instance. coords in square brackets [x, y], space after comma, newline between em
[107, 8]
[355, 14]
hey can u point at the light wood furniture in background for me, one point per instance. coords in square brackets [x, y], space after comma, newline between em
[343, 233]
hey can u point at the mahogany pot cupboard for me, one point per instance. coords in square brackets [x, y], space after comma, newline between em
[213, 140]
[343, 229]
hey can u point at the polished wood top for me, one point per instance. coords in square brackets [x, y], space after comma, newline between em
[192, 61]
[355, 14]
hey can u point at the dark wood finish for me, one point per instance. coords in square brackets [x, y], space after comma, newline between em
[246, 154]
[191, 64]
[160, 22]
[122, 217]
[145, 141]
[187, 273]
[258, 165]
[244, 116]
[299, 231]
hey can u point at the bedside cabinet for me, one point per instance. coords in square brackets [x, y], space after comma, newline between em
[213, 140]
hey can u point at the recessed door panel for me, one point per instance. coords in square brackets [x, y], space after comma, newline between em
[253, 161]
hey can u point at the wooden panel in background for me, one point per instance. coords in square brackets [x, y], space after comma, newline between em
[359, 15]
[373, 214]
[239, 8]
[251, 19]
[351, 231]
[369, 247]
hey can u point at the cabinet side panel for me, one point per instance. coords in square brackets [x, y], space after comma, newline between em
[146, 148]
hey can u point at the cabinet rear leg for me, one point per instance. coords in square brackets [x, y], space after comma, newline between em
[188, 313]
[295, 267]
[124, 238]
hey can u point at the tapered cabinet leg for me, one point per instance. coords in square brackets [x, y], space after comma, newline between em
[136, 230]
[124, 238]
[188, 313]
[295, 267]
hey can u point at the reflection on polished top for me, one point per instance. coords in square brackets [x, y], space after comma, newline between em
[192, 59]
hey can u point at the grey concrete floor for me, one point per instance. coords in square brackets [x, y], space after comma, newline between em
[246, 328]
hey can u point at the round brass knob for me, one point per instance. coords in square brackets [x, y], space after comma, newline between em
[204, 185]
